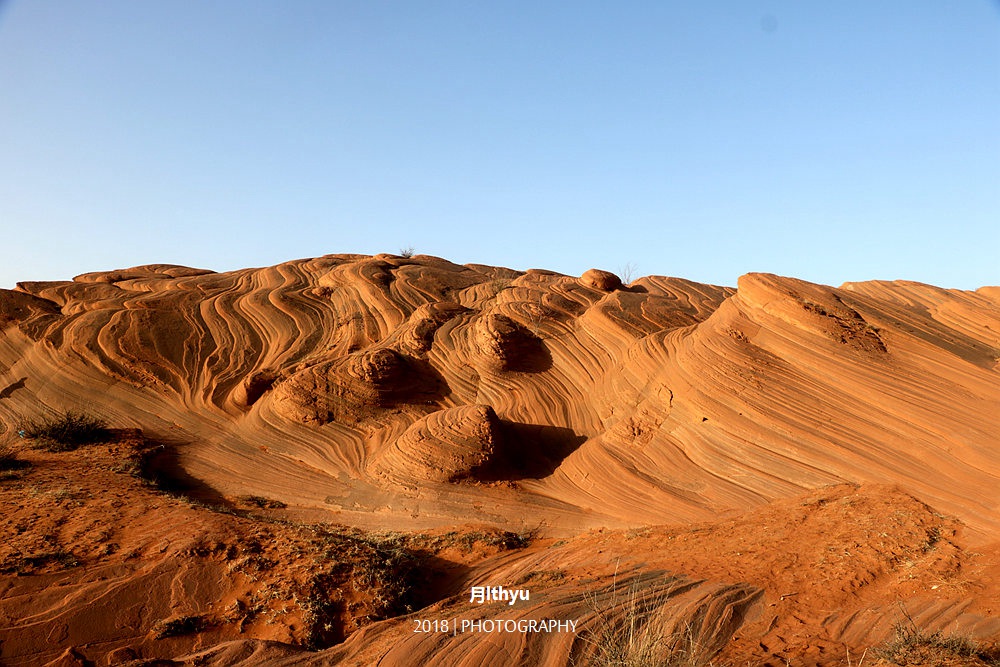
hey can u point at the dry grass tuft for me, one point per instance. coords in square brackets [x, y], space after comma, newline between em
[912, 646]
[630, 631]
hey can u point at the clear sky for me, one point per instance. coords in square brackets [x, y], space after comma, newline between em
[828, 141]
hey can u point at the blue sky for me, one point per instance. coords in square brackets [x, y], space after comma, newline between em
[828, 141]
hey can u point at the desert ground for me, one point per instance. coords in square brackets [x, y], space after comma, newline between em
[326, 461]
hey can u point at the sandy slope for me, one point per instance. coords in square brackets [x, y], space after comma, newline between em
[414, 394]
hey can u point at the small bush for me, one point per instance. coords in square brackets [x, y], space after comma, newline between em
[21, 564]
[262, 502]
[406, 252]
[912, 646]
[503, 540]
[498, 285]
[66, 431]
[628, 273]
[176, 627]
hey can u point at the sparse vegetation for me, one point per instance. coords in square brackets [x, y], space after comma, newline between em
[406, 252]
[66, 431]
[628, 273]
[385, 564]
[502, 540]
[176, 627]
[537, 312]
[913, 646]
[23, 564]
[628, 631]
[813, 307]
[71, 496]
[261, 502]
[498, 285]
[393, 568]
[542, 576]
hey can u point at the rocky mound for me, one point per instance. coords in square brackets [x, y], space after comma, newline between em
[415, 394]
[445, 446]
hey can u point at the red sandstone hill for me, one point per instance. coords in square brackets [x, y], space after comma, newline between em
[308, 458]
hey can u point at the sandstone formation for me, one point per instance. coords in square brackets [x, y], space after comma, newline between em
[602, 280]
[414, 394]
[445, 446]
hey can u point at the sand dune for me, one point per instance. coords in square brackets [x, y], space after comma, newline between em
[414, 394]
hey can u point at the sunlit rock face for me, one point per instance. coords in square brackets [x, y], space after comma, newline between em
[665, 398]
[836, 447]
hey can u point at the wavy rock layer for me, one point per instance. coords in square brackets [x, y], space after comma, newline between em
[445, 446]
[413, 393]
[330, 382]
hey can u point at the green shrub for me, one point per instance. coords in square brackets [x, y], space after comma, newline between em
[66, 431]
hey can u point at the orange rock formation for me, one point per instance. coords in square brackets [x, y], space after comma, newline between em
[793, 422]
